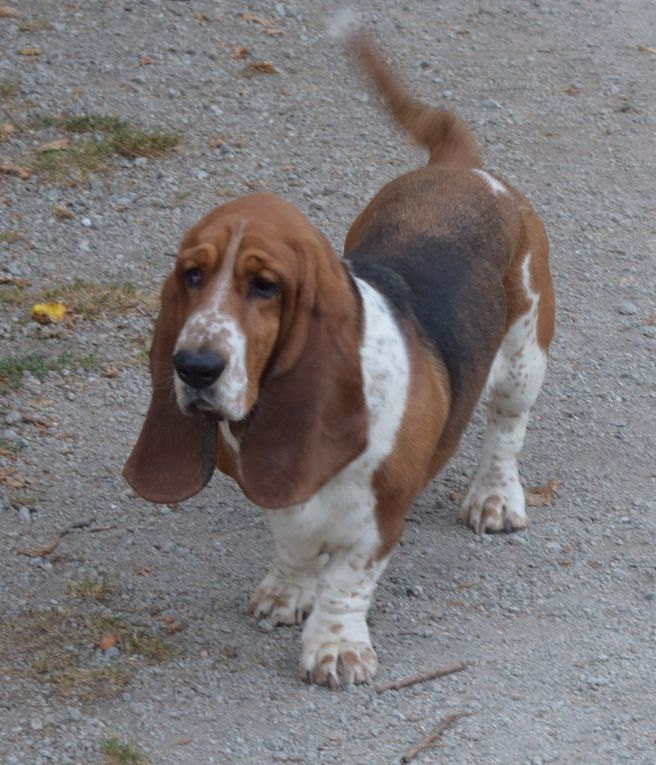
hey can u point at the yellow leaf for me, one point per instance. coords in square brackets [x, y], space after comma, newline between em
[48, 313]
[32, 50]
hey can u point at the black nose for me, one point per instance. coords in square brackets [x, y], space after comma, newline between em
[198, 369]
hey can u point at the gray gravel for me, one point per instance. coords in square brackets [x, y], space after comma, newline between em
[557, 624]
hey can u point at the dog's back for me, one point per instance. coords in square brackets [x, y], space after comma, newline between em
[437, 243]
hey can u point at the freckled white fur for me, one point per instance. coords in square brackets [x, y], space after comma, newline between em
[211, 327]
[327, 544]
[494, 183]
[496, 498]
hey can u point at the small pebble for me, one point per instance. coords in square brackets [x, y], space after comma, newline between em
[24, 514]
[628, 309]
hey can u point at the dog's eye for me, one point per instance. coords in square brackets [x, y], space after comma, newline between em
[261, 287]
[193, 277]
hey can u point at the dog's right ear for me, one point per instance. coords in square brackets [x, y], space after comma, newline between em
[175, 454]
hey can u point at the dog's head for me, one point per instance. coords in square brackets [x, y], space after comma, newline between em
[258, 326]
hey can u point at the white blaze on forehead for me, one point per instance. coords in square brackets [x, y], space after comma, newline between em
[494, 184]
[213, 328]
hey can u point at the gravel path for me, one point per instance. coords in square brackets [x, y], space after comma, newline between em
[557, 624]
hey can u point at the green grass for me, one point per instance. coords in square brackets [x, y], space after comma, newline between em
[91, 300]
[12, 368]
[89, 156]
[11, 294]
[118, 752]
[35, 25]
[8, 89]
[93, 589]
[73, 165]
[10, 236]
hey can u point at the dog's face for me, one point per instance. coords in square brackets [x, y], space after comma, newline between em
[259, 325]
[239, 271]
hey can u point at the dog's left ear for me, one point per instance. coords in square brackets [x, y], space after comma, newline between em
[311, 419]
[175, 454]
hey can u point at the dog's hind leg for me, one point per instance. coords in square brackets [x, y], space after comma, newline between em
[496, 500]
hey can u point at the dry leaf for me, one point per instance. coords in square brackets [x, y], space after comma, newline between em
[572, 90]
[59, 145]
[239, 53]
[172, 629]
[217, 142]
[48, 313]
[147, 61]
[63, 213]
[31, 50]
[12, 478]
[6, 131]
[8, 12]
[110, 371]
[143, 571]
[646, 49]
[9, 168]
[542, 496]
[273, 31]
[41, 552]
[262, 67]
[182, 741]
[107, 641]
[253, 18]
[201, 17]
[457, 495]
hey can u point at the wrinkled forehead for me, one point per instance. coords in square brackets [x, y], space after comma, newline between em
[259, 216]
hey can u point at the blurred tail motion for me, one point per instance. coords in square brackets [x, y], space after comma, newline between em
[445, 135]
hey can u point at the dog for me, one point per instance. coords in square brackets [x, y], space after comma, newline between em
[332, 390]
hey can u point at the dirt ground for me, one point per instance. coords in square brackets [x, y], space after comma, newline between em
[557, 625]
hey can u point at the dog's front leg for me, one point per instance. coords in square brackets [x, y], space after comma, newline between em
[336, 644]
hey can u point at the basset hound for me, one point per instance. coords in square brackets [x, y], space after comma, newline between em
[332, 390]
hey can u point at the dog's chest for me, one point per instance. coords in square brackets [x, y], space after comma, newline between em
[342, 512]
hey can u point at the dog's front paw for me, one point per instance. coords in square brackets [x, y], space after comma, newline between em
[283, 602]
[338, 662]
[493, 507]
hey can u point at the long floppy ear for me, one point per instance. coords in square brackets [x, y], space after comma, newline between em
[175, 455]
[310, 420]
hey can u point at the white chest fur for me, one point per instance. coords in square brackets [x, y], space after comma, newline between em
[341, 513]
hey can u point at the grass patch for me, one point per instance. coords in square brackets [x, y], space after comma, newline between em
[80, 123]
[118, 752]
[11, 294]
[35, 25]
[132, 142]
[89, 156]
[91, 588]
[58, 647]
[12, 368]
[8, 89]
[10, 236]
[73, 165]
[91, 300]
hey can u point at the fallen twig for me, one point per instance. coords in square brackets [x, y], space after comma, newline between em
[431, 738]
[43, 552]
[421, 677]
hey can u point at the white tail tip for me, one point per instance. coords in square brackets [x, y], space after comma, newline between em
[344, 24]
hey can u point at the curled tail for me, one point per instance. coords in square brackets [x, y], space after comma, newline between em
[444, 134]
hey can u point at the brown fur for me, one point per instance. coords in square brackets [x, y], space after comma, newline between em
[436, 201]
[308, 417]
